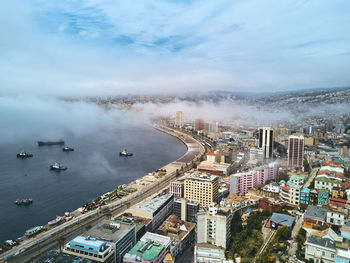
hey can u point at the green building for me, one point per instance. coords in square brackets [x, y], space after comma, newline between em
[322, 196]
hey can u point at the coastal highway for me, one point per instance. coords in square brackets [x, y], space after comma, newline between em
[46, 240]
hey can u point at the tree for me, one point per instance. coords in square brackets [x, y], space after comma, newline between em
[306, 165]
[236, 224]
[109, 215]
[60, 240]
[283, 233]
[88, 227]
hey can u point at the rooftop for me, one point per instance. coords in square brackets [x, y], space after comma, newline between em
[111, 231]
[145, 249]
[282, 219]
[202, 177]
[323, 242]
[316, 213]
[154, 204]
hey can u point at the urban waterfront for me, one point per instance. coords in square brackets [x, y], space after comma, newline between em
[94, 168]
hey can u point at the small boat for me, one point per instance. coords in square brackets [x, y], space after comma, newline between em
[67, 149]
[24, 154]
[34, 230]
[26, 201]
[55, 221]
[58, 167]
[59, 142]
[125, 153]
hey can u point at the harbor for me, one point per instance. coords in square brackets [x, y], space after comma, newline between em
[128, 194]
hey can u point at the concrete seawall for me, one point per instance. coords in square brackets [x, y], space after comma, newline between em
[194, 149]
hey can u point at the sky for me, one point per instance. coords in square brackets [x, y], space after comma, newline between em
[96, 47]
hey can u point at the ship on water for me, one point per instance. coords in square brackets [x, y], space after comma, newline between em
[58, 167]
[24, 154]
[26, 201]
[59, 142]
[67, 149]
[125, 153]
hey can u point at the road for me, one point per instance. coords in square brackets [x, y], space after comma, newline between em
[33, 247]
[311, 177]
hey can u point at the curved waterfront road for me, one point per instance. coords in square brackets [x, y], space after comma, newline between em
[32, 247]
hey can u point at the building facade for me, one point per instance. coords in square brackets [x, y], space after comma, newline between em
[240, 183]
[177, 189]
[296, 151]
[214, 226]
[266, 141]
[202, 188]
[185, 209]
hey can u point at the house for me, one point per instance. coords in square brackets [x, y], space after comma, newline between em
[320, 250]
[304, 196]
[278, 219]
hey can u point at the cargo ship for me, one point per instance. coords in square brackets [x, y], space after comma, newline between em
[59, 142]
[125, 153]
[58, 167]
[26, 201]
[23, 154]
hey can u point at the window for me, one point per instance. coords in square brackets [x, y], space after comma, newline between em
[323, 253]
[332, 255]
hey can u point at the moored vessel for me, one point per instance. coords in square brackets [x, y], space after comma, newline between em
[67, 149]
[55, 221]
[25, 201]
[125, 153]
[59, 142]
[58, 167]
[34, 230]
[24, 154]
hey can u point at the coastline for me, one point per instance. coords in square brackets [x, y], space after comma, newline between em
[144, 187]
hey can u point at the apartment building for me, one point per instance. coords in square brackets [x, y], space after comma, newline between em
[202, 188]
[214, 226]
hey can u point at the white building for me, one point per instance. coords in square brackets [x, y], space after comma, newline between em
[204, 253]
[321, 250]
[266, 141]
[90, 248]
[272, 187]
[214, 226]
[336, 216]
[290, 193]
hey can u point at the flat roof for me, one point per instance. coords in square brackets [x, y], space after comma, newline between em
[109, 230]
[146, 250]
[154, 204]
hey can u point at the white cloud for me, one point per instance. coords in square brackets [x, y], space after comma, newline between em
[109, 47]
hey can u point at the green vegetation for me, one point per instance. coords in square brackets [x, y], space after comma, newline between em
[247, 240]
[283, 176]
[277, 247]
[281, 150]
[306, 166]
[347, 172]
[300, 239]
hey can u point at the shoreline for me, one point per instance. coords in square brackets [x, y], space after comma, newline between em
[146, 185]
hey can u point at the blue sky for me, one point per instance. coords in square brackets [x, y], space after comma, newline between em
[97, 47]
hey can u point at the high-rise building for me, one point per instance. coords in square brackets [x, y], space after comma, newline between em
[295, 151]
[179, 119]
[240, 183]
[202, 188]
[266, 141]
[185, 209]
[214, 226]
[199, 124]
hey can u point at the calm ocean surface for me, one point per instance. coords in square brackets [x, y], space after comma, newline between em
[94, 168]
